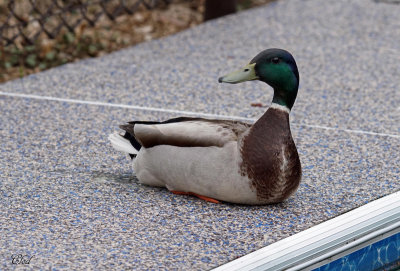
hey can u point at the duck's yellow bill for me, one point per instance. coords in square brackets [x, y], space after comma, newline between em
[247, 73]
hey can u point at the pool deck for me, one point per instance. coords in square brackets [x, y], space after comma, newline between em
[71, 202]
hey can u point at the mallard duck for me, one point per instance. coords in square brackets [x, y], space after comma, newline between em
[224, 160]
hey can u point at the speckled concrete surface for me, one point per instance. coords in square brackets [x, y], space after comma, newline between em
[70, 201]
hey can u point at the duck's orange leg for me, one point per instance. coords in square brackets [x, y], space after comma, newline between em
[196, 195]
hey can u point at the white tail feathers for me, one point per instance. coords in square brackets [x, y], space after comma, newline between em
[121, 144]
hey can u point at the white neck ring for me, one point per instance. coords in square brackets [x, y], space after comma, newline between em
[280, 107]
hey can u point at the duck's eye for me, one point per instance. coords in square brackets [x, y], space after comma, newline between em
[275, 60]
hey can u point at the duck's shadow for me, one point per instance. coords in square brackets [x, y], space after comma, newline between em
[123, 178]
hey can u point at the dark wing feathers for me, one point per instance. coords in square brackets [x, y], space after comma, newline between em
[173, 120]
[183, 132]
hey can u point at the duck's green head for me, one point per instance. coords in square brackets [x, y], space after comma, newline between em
[277, 68]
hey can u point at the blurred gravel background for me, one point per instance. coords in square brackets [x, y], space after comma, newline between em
[150, 20]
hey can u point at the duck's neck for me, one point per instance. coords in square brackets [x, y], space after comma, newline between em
[285, 94]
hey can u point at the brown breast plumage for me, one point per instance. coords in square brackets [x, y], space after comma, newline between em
[270, 158]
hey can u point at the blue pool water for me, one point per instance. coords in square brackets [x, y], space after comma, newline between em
[382, 255]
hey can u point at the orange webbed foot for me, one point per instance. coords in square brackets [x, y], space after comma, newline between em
[196, 195]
